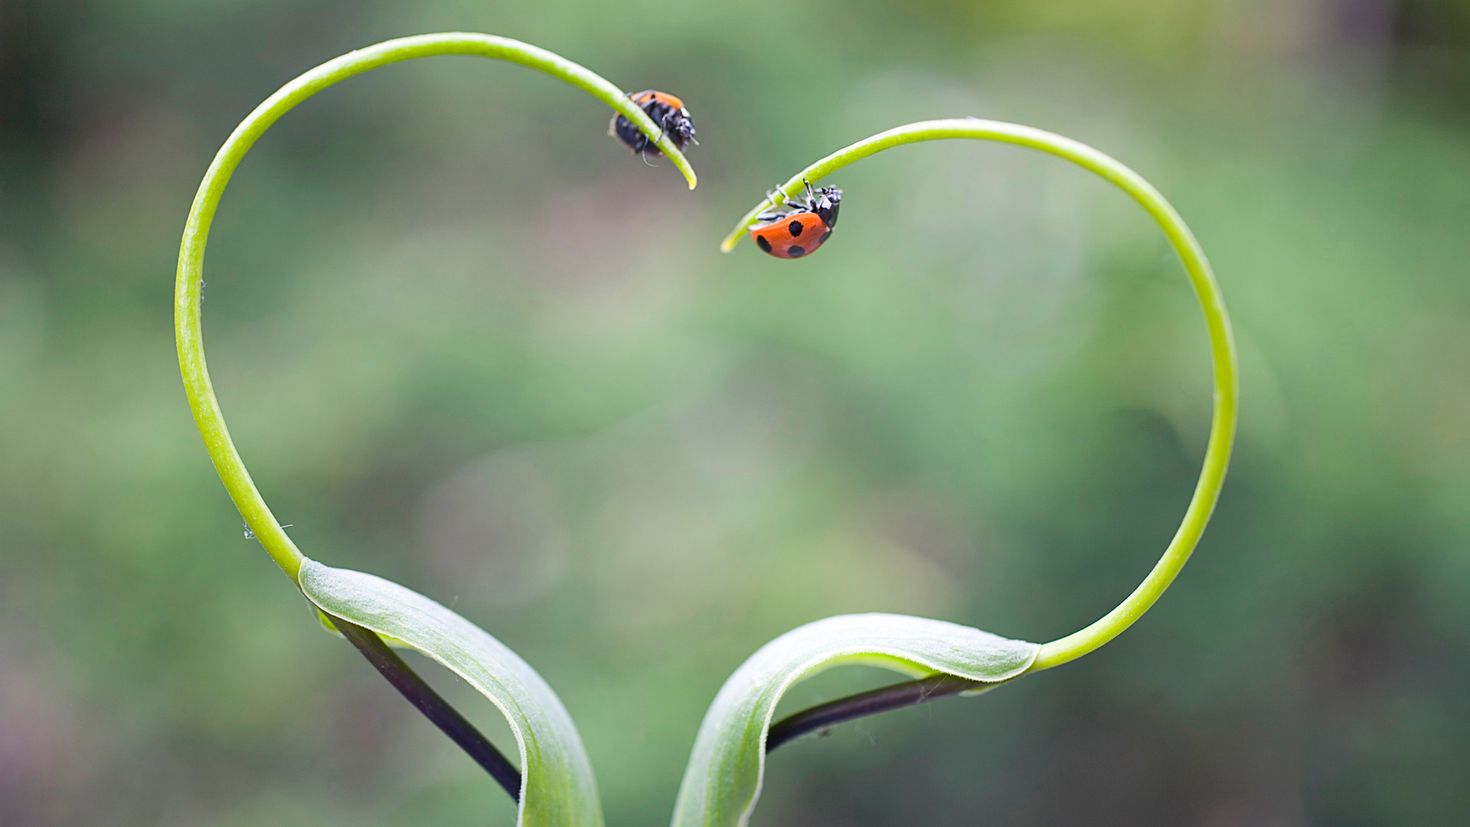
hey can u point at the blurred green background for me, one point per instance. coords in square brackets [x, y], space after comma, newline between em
[468, 342]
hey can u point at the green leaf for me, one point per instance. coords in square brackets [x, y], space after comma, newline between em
[723, 779]
[557, 786]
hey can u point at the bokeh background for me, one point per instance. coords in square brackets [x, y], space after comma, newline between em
[468, 342]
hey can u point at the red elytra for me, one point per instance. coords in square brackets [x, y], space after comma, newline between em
[653, 95]
[801, 225]
[792, 236]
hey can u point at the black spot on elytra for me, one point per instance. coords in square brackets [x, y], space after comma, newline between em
[761, 242]
[794, 227]
[796, 251]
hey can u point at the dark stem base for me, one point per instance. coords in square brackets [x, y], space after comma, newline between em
[863, 704]
[432, 705]
[477, 746]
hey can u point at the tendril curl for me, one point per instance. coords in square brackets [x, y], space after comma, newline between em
[188, 287]
[1207, 291]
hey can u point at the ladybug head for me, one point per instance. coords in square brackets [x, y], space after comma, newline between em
[825, 202]
[679, 127]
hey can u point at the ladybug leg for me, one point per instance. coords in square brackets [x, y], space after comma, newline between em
[779, 199]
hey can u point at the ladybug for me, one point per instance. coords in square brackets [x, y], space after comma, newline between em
[667, 111]
[801, 225]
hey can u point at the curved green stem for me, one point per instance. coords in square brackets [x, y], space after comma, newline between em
[189, 284]
[1217, 323]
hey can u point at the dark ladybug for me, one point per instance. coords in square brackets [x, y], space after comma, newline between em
[800, 225]
[667, 111]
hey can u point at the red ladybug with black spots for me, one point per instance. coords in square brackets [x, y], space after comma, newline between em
[800, 225]
[667, 111]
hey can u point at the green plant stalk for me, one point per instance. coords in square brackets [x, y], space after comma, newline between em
[189, 284]
[1217, 324]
